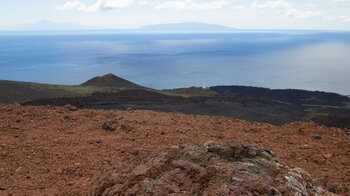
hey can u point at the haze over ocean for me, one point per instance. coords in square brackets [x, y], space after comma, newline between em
[287, 59]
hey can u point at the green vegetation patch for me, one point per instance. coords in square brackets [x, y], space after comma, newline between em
[347, 105]
[312, 113]
[188, 92]
[11, 91]
[71, 90]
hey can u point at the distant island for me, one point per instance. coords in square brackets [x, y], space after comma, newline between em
[187, 27]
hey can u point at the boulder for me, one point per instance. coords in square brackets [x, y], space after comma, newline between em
[209, 169]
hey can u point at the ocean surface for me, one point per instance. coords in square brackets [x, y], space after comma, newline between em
[286, 59]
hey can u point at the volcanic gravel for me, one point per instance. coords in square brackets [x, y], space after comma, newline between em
[61, 151]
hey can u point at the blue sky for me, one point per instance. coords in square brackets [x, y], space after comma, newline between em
[244, 14]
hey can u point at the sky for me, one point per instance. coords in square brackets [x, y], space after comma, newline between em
[242, 14]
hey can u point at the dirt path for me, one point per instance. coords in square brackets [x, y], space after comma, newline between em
[54, 150]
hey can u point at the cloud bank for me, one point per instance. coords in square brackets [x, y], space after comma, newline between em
[282, 8]
[100, 5]
[192, 5]
[285, 8]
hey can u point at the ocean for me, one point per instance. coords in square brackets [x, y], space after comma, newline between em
[308, 60]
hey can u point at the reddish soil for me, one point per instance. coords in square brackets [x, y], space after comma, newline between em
[58, 151]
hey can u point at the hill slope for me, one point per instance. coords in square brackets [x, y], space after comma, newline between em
[13, 91]
[52, 150]
[287, 95]
[110, 80]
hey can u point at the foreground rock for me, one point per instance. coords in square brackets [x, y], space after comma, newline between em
[209, 169]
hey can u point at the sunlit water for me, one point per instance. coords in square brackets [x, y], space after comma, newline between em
[303, 60]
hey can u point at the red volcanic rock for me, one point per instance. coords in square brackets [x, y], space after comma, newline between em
[210, 169]
[43, 152]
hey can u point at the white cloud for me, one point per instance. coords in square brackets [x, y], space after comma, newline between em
[192, 5]
[345, 18]
[142, 3]
[340, 0]
[287, 7]
[282, 7]
[238, 7]
[100, 5]
[72, 5]
[294, 13]
[273, 4]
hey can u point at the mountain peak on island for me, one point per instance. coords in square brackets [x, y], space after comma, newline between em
[187, 27]
[110, 80]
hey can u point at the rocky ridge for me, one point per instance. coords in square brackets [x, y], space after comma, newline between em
[210, 169]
